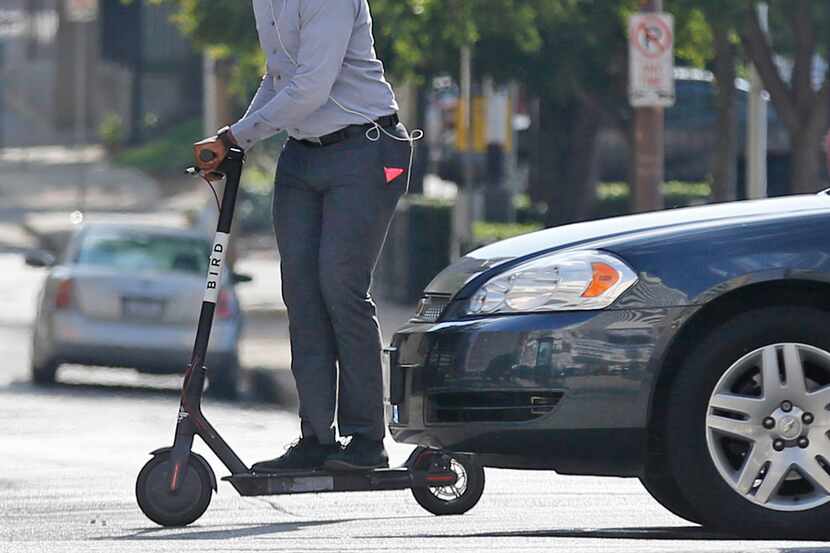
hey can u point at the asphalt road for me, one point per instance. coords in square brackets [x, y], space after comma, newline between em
[69, 456]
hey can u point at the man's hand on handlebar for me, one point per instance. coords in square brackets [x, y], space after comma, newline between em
[209, 154]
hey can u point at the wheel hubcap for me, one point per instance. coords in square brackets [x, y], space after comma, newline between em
[454, 492]
[768, 427]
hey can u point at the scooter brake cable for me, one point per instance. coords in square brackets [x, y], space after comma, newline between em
[215, 195]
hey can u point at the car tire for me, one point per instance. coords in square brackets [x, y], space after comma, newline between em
[223, 378]
[43, 369]
[699, 452]
[663, 488]
[44, 373]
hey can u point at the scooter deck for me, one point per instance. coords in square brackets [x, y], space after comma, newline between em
[255, 484]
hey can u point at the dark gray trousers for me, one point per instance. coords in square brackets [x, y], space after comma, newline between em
[332, 210]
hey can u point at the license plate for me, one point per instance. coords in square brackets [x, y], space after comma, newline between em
[142, 309]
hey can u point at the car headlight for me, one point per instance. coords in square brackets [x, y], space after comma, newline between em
[573, 281]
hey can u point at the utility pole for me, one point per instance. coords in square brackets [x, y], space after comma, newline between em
[756, 127]
[82, 14]
[2, 93]
[209, 100]
[649, 153]
[467, 103]
[465, 203]
[80, 83]
[137, 92]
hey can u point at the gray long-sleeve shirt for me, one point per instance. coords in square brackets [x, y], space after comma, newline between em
[328, 55]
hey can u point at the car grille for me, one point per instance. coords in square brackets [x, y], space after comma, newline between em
[485, 406]
[430, 308]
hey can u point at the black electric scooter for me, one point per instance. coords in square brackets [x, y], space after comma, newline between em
[175, 487]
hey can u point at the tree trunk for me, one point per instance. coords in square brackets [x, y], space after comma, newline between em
[724, 173]
[542, 161]
[574, 192]
[805, 156]
[803, 110]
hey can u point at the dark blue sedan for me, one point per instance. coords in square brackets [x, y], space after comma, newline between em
[688, 348]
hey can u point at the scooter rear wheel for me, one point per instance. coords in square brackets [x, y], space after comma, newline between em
[458, 498]
[191, 500]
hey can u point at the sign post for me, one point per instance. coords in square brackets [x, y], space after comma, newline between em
[80, 13]
[651, 58]
[756, 126]
[651, 88]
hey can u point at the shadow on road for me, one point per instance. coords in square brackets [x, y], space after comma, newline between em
[238, 531]
[673, 533]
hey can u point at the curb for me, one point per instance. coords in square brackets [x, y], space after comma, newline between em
[272, 386]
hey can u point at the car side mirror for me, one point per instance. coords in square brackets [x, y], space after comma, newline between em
[239, 278]
[39, 259]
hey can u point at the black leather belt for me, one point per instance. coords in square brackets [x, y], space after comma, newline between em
[349, 132]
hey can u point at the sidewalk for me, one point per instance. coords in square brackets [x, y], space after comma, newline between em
[53, 178]
[40, 187]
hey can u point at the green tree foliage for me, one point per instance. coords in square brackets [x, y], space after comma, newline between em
[577, 67]
[707, 38]
[796, 36]
[571, 54]
[797, 31]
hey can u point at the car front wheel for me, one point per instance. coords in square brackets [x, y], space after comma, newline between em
[748, 425]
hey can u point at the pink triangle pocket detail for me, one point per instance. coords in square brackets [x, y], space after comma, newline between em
[392, 173]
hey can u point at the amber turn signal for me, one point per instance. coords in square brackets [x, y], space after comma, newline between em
[604, 278]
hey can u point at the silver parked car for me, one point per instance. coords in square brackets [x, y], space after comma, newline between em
[129, 296]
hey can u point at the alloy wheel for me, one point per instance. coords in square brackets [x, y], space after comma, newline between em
[768, 427]
[454, 492]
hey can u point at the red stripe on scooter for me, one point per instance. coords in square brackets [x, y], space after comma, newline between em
[448, 478]
[175, 479]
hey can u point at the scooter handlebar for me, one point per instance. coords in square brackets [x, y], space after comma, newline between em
[206, 156]
[235, 157]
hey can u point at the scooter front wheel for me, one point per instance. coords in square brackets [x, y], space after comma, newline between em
[186, 505]
[458, 498]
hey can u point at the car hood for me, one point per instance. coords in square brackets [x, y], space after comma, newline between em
[456, 276]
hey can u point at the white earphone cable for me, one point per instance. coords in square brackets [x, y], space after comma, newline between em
[373, 134]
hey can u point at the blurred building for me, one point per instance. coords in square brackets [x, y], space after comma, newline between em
[128, 60]
[28, 32]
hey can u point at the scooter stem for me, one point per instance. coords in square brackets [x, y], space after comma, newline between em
[190, 419]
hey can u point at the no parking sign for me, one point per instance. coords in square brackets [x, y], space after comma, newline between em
[651, 59]
[81, 11]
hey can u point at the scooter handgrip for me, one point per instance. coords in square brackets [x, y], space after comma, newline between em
[206, 156]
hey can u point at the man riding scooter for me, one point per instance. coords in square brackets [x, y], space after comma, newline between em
[339, 179]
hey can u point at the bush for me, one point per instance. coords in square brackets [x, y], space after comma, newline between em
[614, 198]
[256, 194]
[111, 131]
[487, 233]
[527, 212]
[169, 152]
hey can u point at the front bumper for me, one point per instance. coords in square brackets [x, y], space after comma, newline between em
[563, 391]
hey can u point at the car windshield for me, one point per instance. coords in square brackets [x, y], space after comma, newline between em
[135, 251]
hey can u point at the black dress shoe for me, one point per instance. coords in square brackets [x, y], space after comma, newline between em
[361, 454]
[305, 454]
